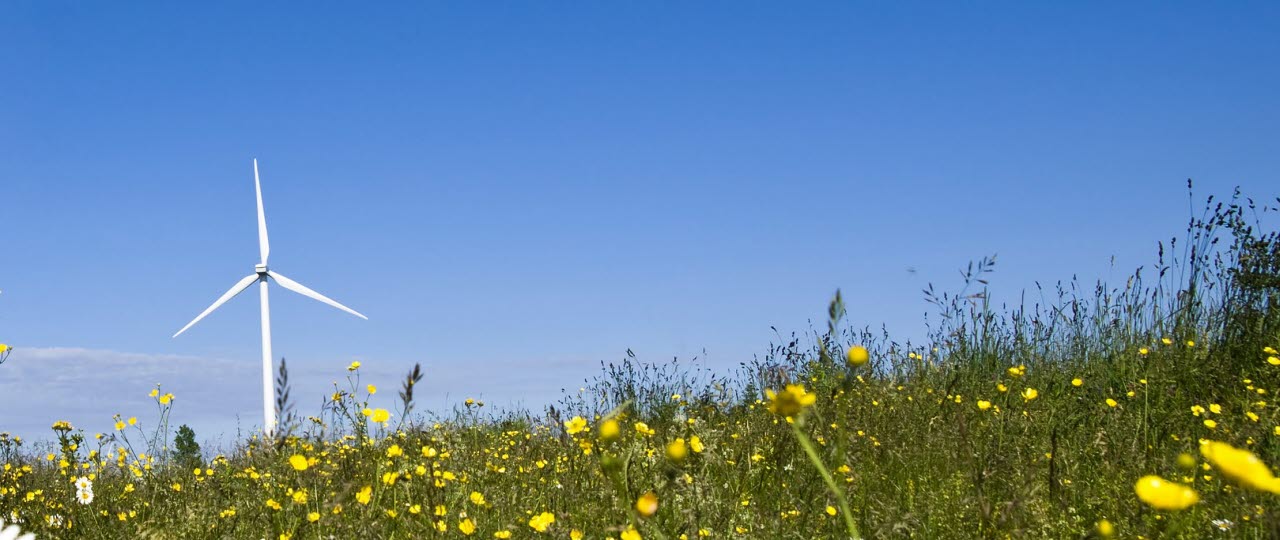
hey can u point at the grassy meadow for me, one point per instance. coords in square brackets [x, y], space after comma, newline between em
[1041, 418]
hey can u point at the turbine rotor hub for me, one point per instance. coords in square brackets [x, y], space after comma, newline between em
[260, 268]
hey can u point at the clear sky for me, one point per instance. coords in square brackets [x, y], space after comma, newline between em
[516, 191]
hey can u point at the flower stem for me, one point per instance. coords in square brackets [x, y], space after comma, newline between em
[826, 477]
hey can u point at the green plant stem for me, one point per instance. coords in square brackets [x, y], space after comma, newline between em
[826, 477]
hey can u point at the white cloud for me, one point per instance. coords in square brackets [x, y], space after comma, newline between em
[88, 386]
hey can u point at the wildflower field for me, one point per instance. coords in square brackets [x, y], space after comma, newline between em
[1140, 410]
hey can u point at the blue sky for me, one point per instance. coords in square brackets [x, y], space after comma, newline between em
[514, 192]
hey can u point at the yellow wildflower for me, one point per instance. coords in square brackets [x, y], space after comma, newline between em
[1162, 494]
[609, 430]
[790, 401]
[1241, 466]
[575, 425]
[647, 504]
[364, 495]
[298, 462]
[677, 451]
[467, 527]
[858, 355]
[542, 522]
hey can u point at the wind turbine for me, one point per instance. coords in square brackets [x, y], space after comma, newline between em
[261, 274]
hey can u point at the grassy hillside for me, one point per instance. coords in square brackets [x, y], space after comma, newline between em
[1032, 420]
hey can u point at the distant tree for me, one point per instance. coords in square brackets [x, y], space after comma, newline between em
[186, 452]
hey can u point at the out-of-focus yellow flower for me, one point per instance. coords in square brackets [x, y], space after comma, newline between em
[831, 510]
[677, 451]
[631, 534]
[858, 355]
[983, 404]
[647, 504]
[1112, 402]
[1143, 351]
[790, 401]
[695, 444]
[395, 451]
[1030, 394]
[502, 535]
[1241, 466]
[298, 462]
[541, 522]
[165, 399]
[354, 366]
[575, 425]
[467, 527]
[1077, 382]
[380, 416]
[1186, 462]
[1273, 360]
[1210, 424]
[1166, 341]
[610, 431]
[1162, 494]
[1017, 371]
[575, 534]
[313, 517]
[372, 389]
[1105, 529]
[364, 495]
[477, 498]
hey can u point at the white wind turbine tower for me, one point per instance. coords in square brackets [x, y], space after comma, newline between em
[261, 274]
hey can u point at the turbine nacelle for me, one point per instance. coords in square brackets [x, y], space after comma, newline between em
[260, 269]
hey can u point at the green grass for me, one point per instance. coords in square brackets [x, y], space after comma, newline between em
[902, 438]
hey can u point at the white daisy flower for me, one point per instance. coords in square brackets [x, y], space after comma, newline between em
[85, 496]
[12, 532]
[83, 483]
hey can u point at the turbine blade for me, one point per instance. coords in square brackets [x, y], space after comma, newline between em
[304, 291]
[238, 288]
[264, 246]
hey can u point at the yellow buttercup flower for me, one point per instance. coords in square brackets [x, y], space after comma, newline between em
[631, 534]
[1106, 529]
[364, 495]
[1077, 382]
[983, 404]
[354, 366]
[542, 522]
[858, 355]
[1162, 494]
[647, 504]
[610, 431]
[380, 416]
[695, 444]
[1241, 466]
[1030, 394]
[298, 462]
[372, 389]
[790, 401]
[575, 425]
[467, 527]
[677, 451]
